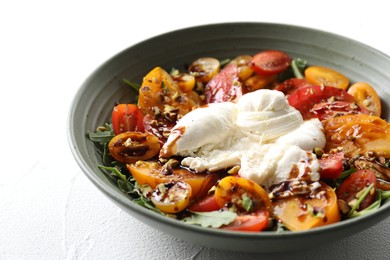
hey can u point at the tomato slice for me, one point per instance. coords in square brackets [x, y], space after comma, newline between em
[159, 127]
[331, 166]
[172, 197]
[354, 184]
[185, 81]
[254, 222]
[245, 195]
[270, 62]
[160, 96]
[303, 213]
[225, 86]
[258, 81]
[325, 110]
[290, 85]
[358, 134]
[303, 99]
[207, 204]
[130, 147]
[126, 118]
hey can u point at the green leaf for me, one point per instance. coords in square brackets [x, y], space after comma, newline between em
[102, 135]
[385, 194]
[213, 219]
[133, 85]
[346, 173]
[115, 172]
[362, 197]
[298, 66]
[373, 207]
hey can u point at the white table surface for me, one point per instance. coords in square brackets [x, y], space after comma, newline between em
[48, 208]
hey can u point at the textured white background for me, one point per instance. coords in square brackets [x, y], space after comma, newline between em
[48, 208]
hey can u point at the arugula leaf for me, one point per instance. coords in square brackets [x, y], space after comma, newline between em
[298, 65]
[115, 172]
[102, 135]
[373, 207]
[133, 85]
[213, 219]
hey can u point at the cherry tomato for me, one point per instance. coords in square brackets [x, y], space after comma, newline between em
[243, 64]
[254, 222]
[225, 86]
[130, 147]
[127, 118]
[290, 85]
[358, 134]
[172, 197]
[159, 96]
[185, 81]
[367, 97]
[303, 213]
[323, 76]
[258, 81]
[329, 109]
[207, 204]
[331, 166]
[303, 99]
[153, 173]
[270, 62]
[354, 184]
[204, 69]
[238, 192]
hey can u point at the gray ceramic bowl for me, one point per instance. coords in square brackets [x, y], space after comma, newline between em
[94, 101]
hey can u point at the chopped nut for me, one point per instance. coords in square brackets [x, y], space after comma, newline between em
[234, 170]
[343, 206]
[101, 128]
[367, 102]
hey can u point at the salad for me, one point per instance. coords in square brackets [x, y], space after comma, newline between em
[254, 143]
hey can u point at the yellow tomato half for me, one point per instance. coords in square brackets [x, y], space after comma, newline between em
[153, 173]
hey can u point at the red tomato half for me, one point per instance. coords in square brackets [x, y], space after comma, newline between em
[290, 85]
[356, 182]
[327, 110]
[303, 99]
[225, 86]
[127, 118]
[270, 62]
[205, 205]
[331, 166]
[254, 222]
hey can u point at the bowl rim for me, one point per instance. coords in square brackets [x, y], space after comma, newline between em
[116, 196]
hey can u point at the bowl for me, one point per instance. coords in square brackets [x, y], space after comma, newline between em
[92, 106]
